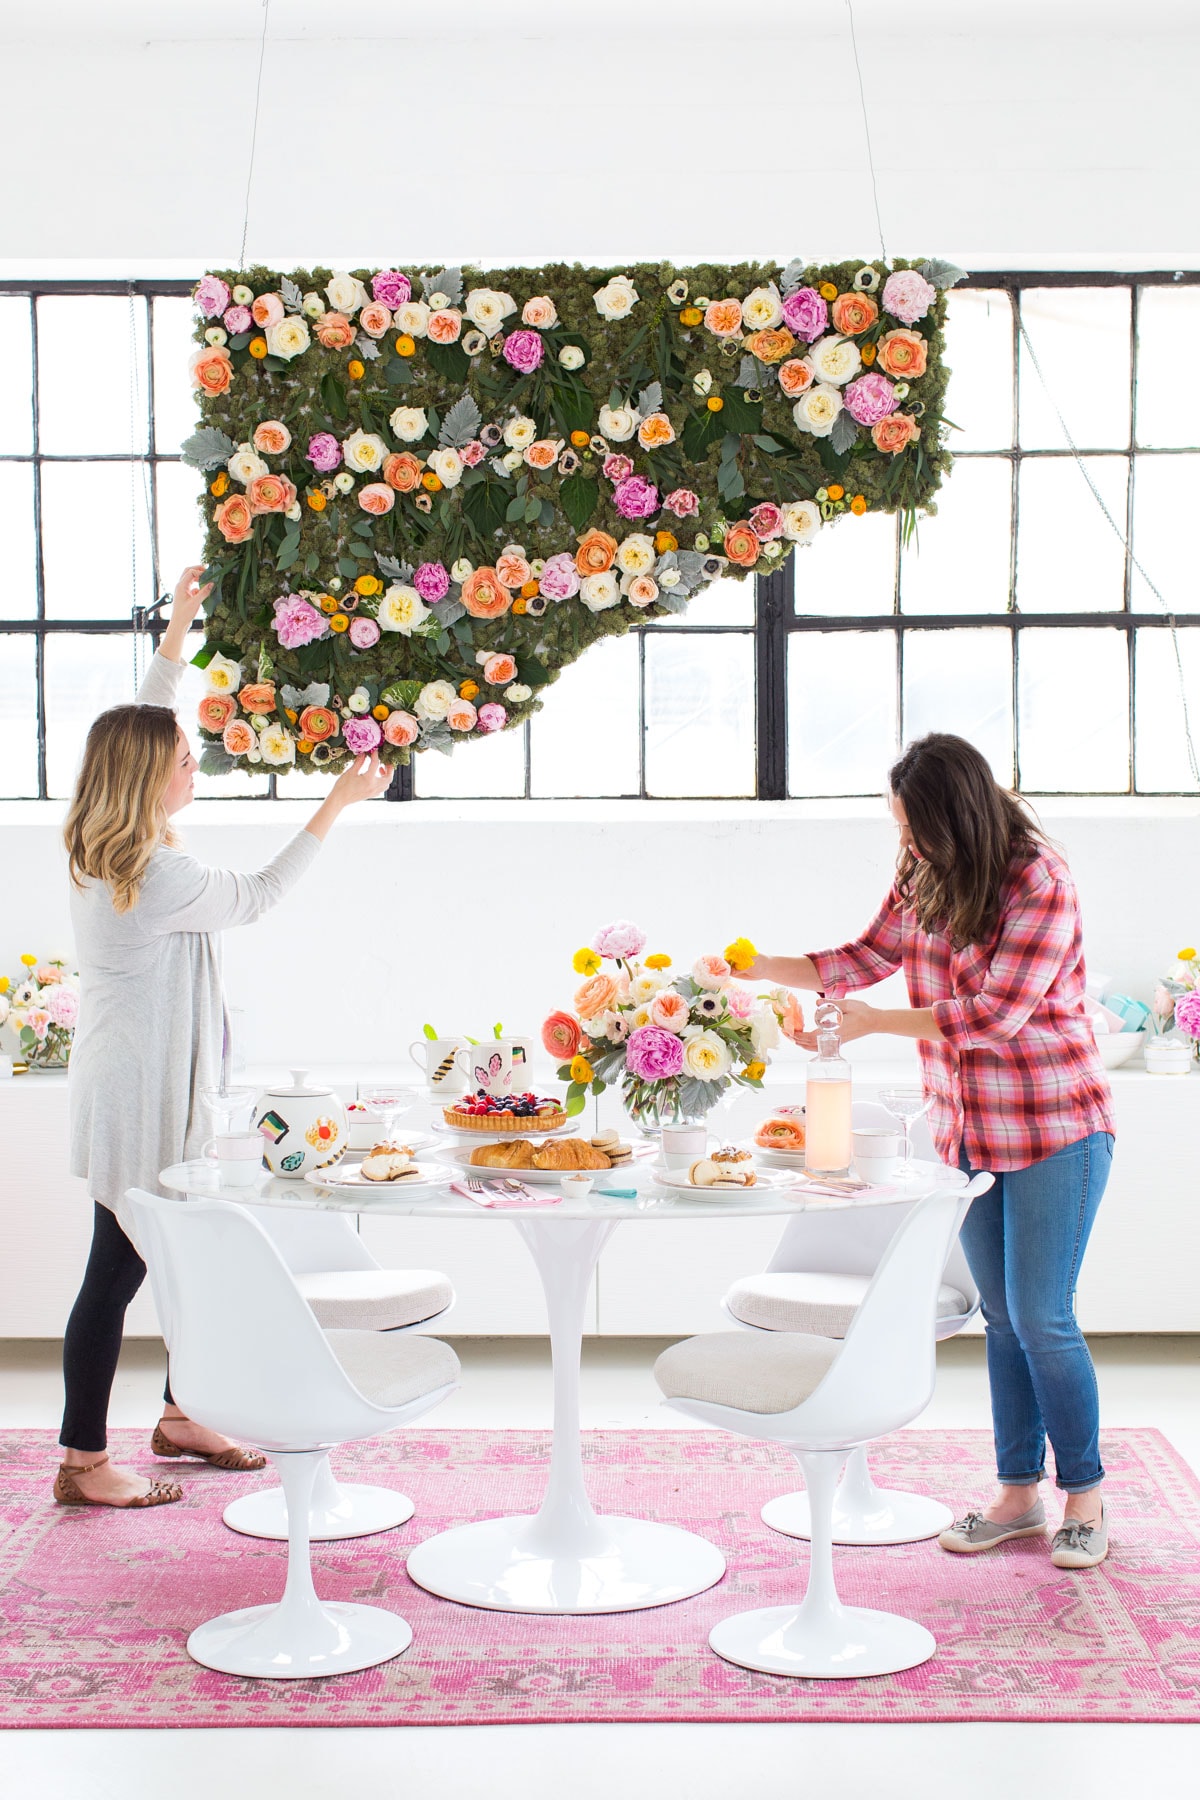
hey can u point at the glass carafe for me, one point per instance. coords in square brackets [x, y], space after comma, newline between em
[828, 1113]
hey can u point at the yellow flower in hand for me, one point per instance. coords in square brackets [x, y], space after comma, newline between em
[658, 961]
[740, 954]
[582, 1070]
[754, 1071]
[585, 962]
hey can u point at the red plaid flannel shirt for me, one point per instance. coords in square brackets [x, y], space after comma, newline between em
[1016, 1075]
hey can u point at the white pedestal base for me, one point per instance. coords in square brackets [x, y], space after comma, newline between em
[353, 1511]
[610, 1565]
[837, 1643]
[862, 1513]
[283, 1643]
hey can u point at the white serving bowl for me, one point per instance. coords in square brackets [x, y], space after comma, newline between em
[1116, 1047]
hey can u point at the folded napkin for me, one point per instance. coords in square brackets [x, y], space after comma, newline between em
[495, 1198]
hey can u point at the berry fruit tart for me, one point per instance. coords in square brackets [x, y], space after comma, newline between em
[506, 1113]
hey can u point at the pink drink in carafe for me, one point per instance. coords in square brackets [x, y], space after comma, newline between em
[828, 1115]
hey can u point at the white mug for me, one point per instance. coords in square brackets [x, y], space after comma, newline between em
[682, 1144]
[238, 1156]
[437, 1059]
[876, 1152]
[497, 1065]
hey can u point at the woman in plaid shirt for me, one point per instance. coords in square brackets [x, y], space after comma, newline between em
[983, 919]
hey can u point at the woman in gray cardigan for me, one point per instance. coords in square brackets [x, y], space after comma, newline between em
[146, 918]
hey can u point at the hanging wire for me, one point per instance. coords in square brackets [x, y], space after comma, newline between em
[866, 131]
[139, 470]
[262, 52]
[1168, 611]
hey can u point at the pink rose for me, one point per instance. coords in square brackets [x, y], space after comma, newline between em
[376, 498]
[766, 520]
[361, 736]
[907, 296]
[635, 497]
[540, 312]
[683, 503]
[432, 582]
[653, 1054]
[375, 320]
[298, 623]
[391, 288]
[472, 453]
[267, 310]
[621, 939]
[616, 467]
[212, 296]
[523, 351]
[740, 1001]
[492, 716]
[237, 320]
[400, 729]
[669, 1011]
[870, 398]
[364, 633]
[805, 313]
[711, 971]
[461, 716]
[324, 452]
[559, 580]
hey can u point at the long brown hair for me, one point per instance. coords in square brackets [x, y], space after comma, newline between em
[116, 819]
[969, 832]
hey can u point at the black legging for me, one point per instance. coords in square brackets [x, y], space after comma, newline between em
[92, 1343]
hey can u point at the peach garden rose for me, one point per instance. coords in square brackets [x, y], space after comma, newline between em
[895, 433]
[903, 353]
[234, 519]
[724, 318]
[334, 331]
[595, 996]
[272, 437]
[484, 595]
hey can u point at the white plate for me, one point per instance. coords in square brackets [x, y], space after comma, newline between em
[349, 1175]
[776, 1159]
[677, 1180]
[457, 1158]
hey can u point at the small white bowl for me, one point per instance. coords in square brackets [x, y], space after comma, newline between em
[576, 1184]
[1116, 1047]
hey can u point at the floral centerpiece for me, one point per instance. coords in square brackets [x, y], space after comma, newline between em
[674, 1043]
[1176, 1002]
[41, 1005]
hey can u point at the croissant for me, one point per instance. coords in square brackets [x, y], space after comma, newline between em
[506, 1153]
[569, 1153]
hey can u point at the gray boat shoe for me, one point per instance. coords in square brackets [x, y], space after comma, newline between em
[973, 1533]
[1079, 1546]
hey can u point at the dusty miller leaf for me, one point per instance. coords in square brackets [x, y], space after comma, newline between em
[448, 612]
[215, 761]
[290, 294]
[207, 448]
[792, 277]
[747, 375]
[366, 346]
[446, 281]
[461, 423]
[942, 274]
[398, 571]
[672, 599]
[650, 399]
[844, 433]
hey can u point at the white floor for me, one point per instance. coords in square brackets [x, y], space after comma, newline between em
[1143, 1381]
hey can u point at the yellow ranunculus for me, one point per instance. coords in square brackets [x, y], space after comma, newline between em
[740, 954]
[29, 961]
[585, 962]
[658, 961]
[5, 984]
[755, 1071]
[1188, 955]
[582, 1070]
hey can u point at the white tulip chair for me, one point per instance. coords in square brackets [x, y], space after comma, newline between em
[249, 1359]
[823, 1398]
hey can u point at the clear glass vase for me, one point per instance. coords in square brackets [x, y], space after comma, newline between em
[652, 1105]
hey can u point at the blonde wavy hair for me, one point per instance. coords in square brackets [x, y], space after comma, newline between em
[117, 819]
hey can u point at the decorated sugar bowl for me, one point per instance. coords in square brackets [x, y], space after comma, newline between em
[303, 1128]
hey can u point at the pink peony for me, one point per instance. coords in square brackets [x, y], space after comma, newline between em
[63, 1006]
[616, 467]
[559, 580]
[298, 623]
[391, 288]
[1187, 1014]
[621, 939]
[523, 351]
[652, 1054]
[869, 399]
[635, 497]
[805, 313]
[492, 716]
[361, 736]
[907, 296]
[212, 296]
[324, 452]
[683, 503]
[237, 320]
[432, 582]
[766, 520]
[740, 1001]
[364, 633]
[561, 1036]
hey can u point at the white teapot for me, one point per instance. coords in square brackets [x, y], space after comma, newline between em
[303, 1128]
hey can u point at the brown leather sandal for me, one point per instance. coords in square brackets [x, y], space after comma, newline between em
[68, 1492]
[239, 1459]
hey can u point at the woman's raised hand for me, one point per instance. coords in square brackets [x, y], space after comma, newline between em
[365, 779]
[190, 594]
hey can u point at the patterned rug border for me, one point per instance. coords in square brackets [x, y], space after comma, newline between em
[1019, 1642]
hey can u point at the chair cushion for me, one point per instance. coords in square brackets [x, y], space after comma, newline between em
[391, 1371]
[374, 1299]
[820, 1304]
[755, 1374]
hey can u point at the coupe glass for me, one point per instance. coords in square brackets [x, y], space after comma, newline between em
[906, 1104]
[231, 1108]
[386, 1103]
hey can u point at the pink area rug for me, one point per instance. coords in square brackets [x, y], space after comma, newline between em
[96, 1606]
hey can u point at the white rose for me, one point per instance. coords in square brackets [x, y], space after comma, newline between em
[401, 609]
[643, 988]
[517, 693]
[359, 701]
[242, 296]
[409, 423]
[363, 452]
[836, 360]
[512, 460]
[313, 305]
[571, 356]
[438, 302]
[412, 318]
[635, 554]
[488, 309]
[435, 700]
[462, 568]
[447, 465]
[599, 592]
[278, 746]
[669, 578]
[762, 309]
[616, 299]
[216, 336]
[618, 423]
[640, 1016]
[520, 432]
[764, 1031]
[245, 465]
[816, 410]
[294, 511]
[288, 337]
[701, 381]
[801, 521]
[344, 484]
[346, 294]
[223, 676]
[707, 1057]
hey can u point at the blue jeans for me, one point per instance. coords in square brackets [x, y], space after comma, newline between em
[1024, 1242]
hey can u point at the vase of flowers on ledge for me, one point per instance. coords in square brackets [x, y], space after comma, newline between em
[1176, 1003]
[675, 1044]
[41, 1005]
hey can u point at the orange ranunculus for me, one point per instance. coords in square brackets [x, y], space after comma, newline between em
[595, 996]
[237, 737]
[903, 353]
[318, 723]
[317, 502]
[215, 711]
[327, 603]
[561, 1036]
[355, 370]
[219, 486]
[375, 320]
[724, 318]
[795, 375]
[665, 541]
[271, 494]
[402, 471]
[304, 746]
[714, 403]
[835, 490]
[234, 519]
[580, 439]
[484, 594]
[444, 326]
[520, 606]
[743, 546]
[380, 712]
[691, 315]
[858, 505]
[895, 433]
[376, 498]
[771, 346]
[655, 431]
[868, 354]
[339, 621]
[595, 553]
[431, 483]
[467, 690]
[257, 348]
[335, 331]
[367, 585]
[853, 313]
[258, 697]
[212, 371]
[531, 589]
[405, 345]
[512, 571]
[828, 290]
